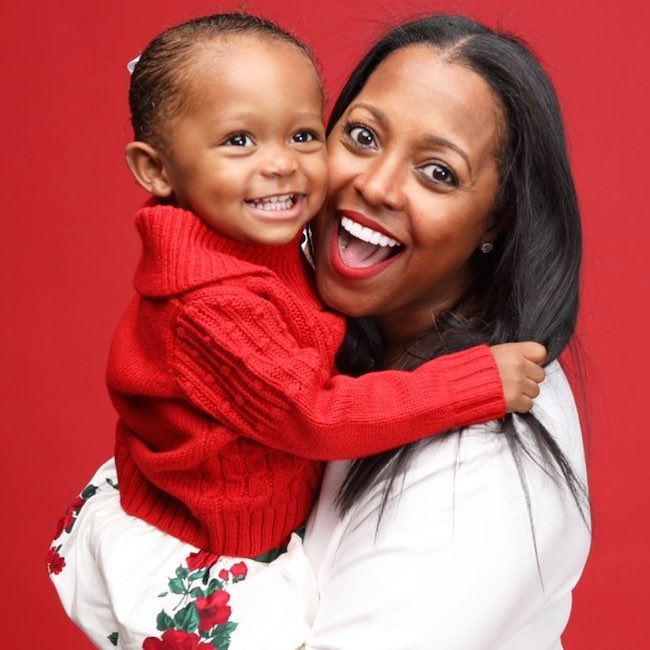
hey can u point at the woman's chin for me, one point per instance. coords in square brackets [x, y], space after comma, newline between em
[340, 297]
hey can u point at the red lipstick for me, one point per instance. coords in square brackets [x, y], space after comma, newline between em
[337, 263]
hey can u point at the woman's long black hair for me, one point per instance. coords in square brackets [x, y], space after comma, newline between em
[527, 288]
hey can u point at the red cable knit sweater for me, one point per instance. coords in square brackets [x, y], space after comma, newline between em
[222, 373]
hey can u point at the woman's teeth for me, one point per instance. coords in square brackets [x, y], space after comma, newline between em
[367, 234]
[361, 247]
[274, 203]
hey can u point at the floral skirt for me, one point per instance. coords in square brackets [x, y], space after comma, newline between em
[129, 585]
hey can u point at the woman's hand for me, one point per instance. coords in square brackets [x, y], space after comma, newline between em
[521, 372]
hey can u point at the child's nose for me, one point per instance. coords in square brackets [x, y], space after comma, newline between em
[280, 161]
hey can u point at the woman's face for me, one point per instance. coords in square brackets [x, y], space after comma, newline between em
[413, 179]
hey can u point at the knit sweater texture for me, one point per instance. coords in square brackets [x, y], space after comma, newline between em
[223, 376]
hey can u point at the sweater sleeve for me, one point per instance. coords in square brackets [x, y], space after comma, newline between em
[252, 375]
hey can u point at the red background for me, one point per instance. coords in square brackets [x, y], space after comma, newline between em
[69, 250]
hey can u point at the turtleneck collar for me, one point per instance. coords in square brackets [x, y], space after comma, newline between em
[180, 252]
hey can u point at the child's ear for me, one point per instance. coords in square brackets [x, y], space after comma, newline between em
[148, 168]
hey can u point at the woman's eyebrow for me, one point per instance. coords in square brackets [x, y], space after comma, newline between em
[437, 141]
[427, 141]
[377, 113]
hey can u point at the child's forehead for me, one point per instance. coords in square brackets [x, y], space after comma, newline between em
[247, 63]
[221, 53]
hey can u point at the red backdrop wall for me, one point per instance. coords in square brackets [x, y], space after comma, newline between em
[69, 250]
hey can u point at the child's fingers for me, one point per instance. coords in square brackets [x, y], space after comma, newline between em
[523, 405]
[531, 388]
[535, 371]
[536, 352]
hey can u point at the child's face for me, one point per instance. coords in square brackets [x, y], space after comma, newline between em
[247, 152]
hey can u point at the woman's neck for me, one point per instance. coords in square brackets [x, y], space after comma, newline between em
[401, 328]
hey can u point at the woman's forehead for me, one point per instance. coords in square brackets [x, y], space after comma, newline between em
[417, 87]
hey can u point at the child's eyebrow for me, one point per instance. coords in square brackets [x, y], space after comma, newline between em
[243, 115]
[256, 117]
[309, 115]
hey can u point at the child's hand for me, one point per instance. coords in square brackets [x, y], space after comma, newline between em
[519, 365]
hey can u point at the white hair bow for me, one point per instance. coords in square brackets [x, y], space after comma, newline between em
[130, 66]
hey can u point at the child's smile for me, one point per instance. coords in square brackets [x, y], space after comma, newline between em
[282, 205]
[247, 152]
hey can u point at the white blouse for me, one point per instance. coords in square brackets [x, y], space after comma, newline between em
[459, 561]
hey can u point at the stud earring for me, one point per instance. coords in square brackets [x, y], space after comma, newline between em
[487, 247]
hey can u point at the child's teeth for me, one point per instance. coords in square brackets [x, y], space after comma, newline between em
[281, 202]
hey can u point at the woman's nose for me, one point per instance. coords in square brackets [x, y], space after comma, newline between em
[381, 183]
[279, 161]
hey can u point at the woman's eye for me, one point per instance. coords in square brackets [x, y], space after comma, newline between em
[439, 174]
[362, 136]
[239, 140]
[302, 137]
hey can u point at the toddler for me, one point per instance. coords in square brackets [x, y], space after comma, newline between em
[223, 370]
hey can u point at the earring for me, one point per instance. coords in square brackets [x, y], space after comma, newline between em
[487, 247]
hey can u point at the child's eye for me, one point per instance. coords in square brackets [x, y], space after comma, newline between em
[239, 140]
[439, 174]
[361, 135]
[302, 137]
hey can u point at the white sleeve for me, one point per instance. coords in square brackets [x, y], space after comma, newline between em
[454, 564]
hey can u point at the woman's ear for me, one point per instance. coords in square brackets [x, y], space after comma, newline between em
[148, 168]
[486, 245]
[490, 235]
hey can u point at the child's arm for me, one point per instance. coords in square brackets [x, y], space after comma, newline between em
[252, 375]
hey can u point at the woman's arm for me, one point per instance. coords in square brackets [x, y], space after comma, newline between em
[453, 564]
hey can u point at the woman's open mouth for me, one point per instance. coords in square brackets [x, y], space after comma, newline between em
[360, 246]
[361, 251]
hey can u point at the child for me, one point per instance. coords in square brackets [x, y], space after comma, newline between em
[222, 369]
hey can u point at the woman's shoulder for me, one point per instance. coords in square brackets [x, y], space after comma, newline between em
[555, 408]
[482, 458]
[469, 532]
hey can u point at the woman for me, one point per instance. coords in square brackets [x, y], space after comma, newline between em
[448, 139]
